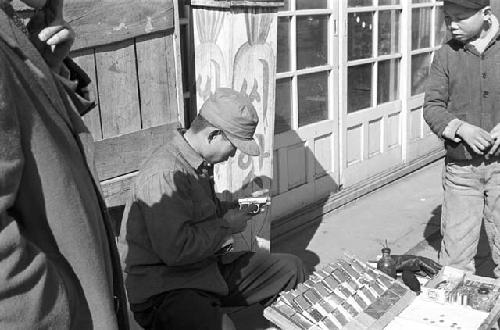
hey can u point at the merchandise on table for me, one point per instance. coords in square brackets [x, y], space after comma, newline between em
[452, 286]
[347, 294]
[453, 299]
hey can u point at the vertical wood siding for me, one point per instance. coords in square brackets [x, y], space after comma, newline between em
[135, 85]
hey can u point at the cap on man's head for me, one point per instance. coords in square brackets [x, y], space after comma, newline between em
[472, 4]
[233, 113]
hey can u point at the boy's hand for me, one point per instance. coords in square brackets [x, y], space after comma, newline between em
[495, 135]
[237, 220]
[477, 138]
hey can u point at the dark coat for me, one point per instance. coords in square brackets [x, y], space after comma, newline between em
[59, 268]
[172, 226]
[463, 84]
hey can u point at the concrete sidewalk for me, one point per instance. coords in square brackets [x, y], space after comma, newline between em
[406, 213]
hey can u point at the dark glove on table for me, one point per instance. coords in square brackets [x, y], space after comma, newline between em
[416, 264]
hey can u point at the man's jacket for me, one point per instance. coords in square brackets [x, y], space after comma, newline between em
[59, 267]
[172, 226]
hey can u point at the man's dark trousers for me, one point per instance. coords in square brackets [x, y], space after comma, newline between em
[251, 278]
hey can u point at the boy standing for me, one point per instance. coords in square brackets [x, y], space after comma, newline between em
[462, 105]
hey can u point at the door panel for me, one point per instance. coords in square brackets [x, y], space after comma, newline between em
[296, 158]
[372, 142]
[305, 170]
[421, 140]
[354, 144]
[375, 137]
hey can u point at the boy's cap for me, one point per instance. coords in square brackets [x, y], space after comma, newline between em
[233, 113]
[472, 4]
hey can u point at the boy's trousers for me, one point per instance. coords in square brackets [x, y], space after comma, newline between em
[471, 194]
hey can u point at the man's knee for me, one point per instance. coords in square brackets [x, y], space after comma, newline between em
[292, 266]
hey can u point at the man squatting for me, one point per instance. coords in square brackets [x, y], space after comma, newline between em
[173, 227]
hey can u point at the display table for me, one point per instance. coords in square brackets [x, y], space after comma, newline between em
[350, 294]
[453, 299]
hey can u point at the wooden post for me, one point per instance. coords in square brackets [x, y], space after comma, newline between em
[495, 7]
[235, 46]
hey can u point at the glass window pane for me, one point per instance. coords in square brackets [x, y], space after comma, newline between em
[311, 4]
[313, 98]
[388, 81]
[421, 28]
[359, 87]
[419, 72]
[360, 31]
[312, 41]
[283, 120]
[388, 32]
[440, 32]
[285, 7]
[283, 58]
[359, 3]
[388, 2]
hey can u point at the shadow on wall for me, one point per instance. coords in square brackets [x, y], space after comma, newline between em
[298, 199]
[484, 263]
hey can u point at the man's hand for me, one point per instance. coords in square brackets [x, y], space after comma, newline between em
[237, 220]
[477, 138]
[51, 34]
[495, 136]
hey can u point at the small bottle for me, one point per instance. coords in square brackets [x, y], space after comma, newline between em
[386, 264]
[483, 299]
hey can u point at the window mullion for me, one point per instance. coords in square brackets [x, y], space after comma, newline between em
[293, 59]
[375, 54]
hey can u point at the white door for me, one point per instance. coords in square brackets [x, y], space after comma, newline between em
[372, 111]
[306, 125]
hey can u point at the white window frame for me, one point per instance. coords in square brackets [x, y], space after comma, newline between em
[375, 58]
[293, 73]
[411, 102]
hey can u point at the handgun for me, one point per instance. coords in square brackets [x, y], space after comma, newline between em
[253, 205]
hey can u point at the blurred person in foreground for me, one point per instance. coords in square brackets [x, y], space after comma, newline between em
[179, 272]
[59, 267]
[462, 106]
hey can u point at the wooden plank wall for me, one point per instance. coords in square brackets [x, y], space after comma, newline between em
[135, 84]
[130, 50]
[102, 22]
